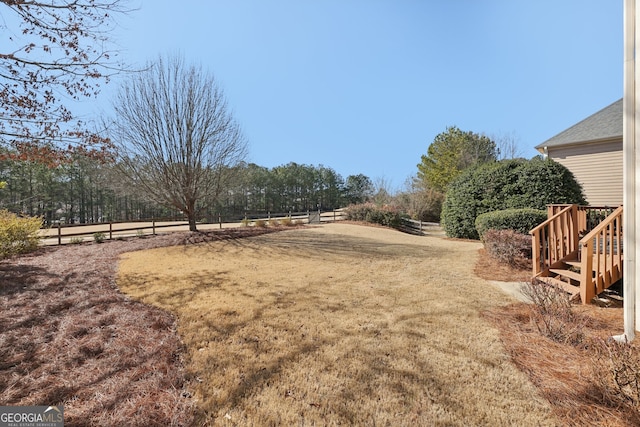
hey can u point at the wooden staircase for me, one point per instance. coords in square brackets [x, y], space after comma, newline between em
[579, 249]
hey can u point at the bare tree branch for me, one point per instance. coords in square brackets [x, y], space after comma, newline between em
[58, 50]
[176, 137]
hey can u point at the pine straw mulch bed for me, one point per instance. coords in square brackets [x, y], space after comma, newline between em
[570, 377]
[68, 336]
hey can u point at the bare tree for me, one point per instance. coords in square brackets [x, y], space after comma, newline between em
[55, 52]
[508, 145]
[176, 137]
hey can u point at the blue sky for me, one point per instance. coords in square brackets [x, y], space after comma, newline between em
[364, 86]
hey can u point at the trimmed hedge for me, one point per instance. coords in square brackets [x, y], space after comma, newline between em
[506, 184]
[519, 220]
[369, 212]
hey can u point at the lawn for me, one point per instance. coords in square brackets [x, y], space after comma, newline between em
[337, 325]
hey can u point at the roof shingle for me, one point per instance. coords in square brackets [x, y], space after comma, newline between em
[605, 124]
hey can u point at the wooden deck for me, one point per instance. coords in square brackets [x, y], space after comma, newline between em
[579, 249]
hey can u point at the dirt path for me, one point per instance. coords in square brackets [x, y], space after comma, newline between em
[338, 324]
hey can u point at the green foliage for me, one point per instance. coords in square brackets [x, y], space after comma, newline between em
[450, 153]
[358, 189]
[76, 240]
[98, 237]
[18, 234]
[520, 220]
[369, 212]
[502, 185]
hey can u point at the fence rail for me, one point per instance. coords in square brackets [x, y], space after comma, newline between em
[65, 233]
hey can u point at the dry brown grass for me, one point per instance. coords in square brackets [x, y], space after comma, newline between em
[337, 325]
[353, 329]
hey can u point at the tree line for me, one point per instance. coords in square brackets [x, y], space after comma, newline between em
[87, 190]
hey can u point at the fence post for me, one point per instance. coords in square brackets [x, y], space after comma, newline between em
[110, 230]
[153, 227]
[220, 219]
[59, 234]
[334, 215]
[421, 226]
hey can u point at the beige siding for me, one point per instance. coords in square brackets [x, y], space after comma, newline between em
[598, 167]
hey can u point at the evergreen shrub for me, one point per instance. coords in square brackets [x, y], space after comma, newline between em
[506, 184]
[520, 220]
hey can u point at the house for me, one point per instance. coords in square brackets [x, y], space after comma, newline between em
[592, 150]
[579, 248]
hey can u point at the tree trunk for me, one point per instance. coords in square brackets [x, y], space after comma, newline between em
[190, 211]
[192, 222]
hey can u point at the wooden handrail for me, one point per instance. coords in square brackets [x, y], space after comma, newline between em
[601, 256]
[551, 219]
[554, 240]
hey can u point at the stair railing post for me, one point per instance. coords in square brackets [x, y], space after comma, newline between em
[587, 292]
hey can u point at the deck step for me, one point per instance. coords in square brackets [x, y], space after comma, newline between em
[570, 289]
[573, 263]
[566, 273]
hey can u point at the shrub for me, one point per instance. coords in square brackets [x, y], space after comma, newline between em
[287, 222]
[18, 234]
[76, 240]
[507, 246]
[621, 374]
[552, 313]
[98, 237]
[140, 234]
[369, 212]
[519, 220]
[260, 223]
[502, 185]
[245, 222]
[273, 223]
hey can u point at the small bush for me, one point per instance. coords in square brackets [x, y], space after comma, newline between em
[287, 222]
[519, 220]
[260, 223]
[76, 240]
[507, 246]
[369, 212]
[273, 223]
[617, 369]
[552, 313]
[140, 234]
[245, 222]
[98, 237]
[18, 234]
